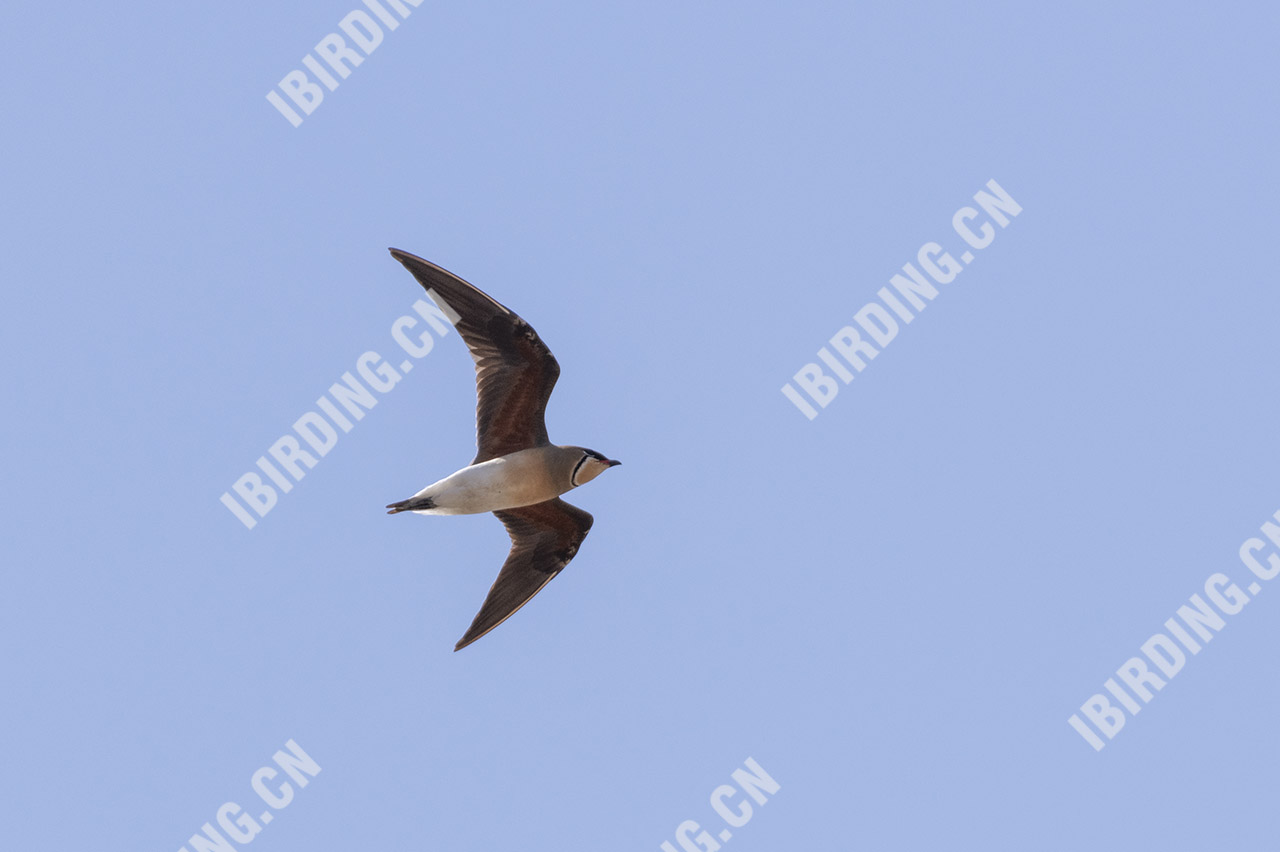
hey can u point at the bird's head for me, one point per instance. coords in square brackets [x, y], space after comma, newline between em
[589, 466]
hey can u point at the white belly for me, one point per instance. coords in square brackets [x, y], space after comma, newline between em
[519, 479]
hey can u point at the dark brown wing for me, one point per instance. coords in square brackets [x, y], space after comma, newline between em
[515, 371]
[544, 537]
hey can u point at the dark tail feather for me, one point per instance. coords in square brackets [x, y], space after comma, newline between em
[413, 504]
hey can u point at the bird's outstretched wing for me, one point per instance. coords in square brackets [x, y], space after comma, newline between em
[515, 371]
[544, 537]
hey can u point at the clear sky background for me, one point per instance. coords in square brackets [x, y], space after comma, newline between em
[893, 608]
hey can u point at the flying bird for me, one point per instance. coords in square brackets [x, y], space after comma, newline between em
[518, 474]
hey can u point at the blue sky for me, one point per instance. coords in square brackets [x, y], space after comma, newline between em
[893, 608]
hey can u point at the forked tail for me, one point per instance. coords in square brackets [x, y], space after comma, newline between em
[413, 504]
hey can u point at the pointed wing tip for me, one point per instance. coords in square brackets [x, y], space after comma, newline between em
[407, 257]
[420, 266]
